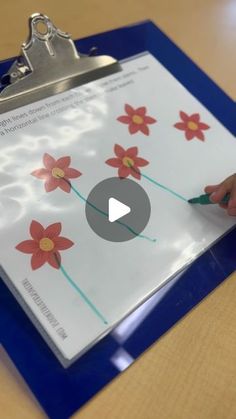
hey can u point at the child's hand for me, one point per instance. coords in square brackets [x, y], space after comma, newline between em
[219, 191]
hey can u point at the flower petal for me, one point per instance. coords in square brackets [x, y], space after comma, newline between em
[124, 171]
[41, 173]
[190, 134]
[51, 184]
[115, 162]
[149, 120]
[63, 162]
[133, 128]
[119, 151]
[54, 259]
[38, 259]
[27, 246]
[199, 134]
[65, 185]
[141, 111]
[48, 161]
[144, 128]
[62, 243]
[195, 117]
[136, 172]
[72, 173]
[203, 126]
[124, 119]
[184, 116]
[131, 152]
[53, 230]
[129, 110]
[139, 161]
[36, 230]
[180, 125]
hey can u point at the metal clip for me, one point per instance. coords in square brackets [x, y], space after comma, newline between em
[49, 64]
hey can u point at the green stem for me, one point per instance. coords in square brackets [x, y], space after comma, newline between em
[160, 185]
[164, 187]
[81, 293]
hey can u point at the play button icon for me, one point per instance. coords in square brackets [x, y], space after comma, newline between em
[118, 209]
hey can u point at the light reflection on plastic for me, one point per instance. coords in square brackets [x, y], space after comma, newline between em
[17, 188]
[121, 359]
[128, 326]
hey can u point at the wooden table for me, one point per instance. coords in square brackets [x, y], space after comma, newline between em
[191, 372]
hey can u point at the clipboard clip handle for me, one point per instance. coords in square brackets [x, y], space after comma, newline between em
[49, 63]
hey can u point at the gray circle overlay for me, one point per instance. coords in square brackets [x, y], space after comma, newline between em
[129, 193]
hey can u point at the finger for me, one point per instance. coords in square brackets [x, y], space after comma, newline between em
[225, 206]
[232, 211]
[211, 188]
[220, 192]
[232, 201]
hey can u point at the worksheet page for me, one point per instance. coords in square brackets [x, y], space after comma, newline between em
[139, 125]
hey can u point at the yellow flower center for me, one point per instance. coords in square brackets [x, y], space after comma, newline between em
[46, 244]
[137, 119]
[127, 161]
[58, 173]
[192, 125]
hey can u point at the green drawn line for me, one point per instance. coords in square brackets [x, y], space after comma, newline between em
[142, 236]
[160, 185]
[89, 203]
[105, 214]
[84, 297]
[164, 187]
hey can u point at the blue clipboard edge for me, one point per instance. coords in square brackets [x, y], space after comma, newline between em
[22, 342]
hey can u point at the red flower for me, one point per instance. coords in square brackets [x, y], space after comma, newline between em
[127, 161]
[136, 119]
[45, 245]
[192, 126]
[56, 173]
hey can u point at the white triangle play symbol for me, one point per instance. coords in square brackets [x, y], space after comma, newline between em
[116, 210]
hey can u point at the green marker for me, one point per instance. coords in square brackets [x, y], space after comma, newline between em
[205, 199]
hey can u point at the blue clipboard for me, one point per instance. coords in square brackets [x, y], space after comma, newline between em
[63, 391]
